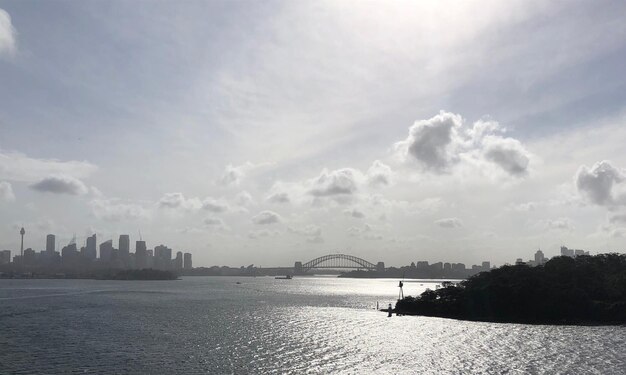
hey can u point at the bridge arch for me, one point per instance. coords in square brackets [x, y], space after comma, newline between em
[337, 261]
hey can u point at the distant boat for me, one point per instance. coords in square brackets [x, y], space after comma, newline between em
[288, 277]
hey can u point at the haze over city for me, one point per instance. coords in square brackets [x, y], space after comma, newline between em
[269, 132]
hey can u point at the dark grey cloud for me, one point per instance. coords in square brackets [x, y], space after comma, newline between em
[598, 182]
[60, 185]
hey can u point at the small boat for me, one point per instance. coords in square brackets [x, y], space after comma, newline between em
[288, 277]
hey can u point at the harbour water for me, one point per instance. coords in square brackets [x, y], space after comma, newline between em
[214, 325]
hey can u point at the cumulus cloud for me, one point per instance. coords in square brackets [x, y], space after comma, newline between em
[338, 182]
[61, 185]
[431, 142]
[600, 184]
[355, 213]
[450, 222]
[19, 167]
[8, 44]
[215, 205]
[6, 192]
[279, 198]
[443, 141]
[233, 175]
[178, 200]
[114, 210]
[507, 153]
[379, 174]
[266, 217]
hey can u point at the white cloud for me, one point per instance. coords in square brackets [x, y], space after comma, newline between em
[8, 44]
[432, 142]
[19, 167]
[114, 210]
[234, 175]
[6, 192]
[379, 174]
[61, 185]
[266, 217]
[282, 197]
[600, 184]
[215, 205]
[508, 153]
[178, 200]
[450, 222]
[338, 182]
[444, 141]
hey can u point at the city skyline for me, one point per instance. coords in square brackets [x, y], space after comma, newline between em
[226, 130]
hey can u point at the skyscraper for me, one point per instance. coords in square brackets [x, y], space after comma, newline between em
[50, 244]
[124, 250]
[141, 256]
[91, 251]
[178, 262]
[106, 251]
[187, 261]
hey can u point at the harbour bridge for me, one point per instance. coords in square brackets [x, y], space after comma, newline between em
[338, 261]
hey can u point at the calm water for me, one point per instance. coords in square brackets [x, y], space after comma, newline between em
[305, 325]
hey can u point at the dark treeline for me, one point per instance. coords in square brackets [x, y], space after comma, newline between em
[581, 290]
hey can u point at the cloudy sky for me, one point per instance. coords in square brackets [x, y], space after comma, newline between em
[268, 132]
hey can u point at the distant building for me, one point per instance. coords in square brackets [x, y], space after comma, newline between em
[188, 265]
[447, 267]
[422, 265]
[50, 244]
[486, 266]
[539, 258]
[29, 256]
[69, 254]
[380, 267]
[91, 251]
[178, 262]
[572, 253]
[162, 257]
[520, 262]
[141, 255]
[436, 266]
[106, 251]
[5, 256]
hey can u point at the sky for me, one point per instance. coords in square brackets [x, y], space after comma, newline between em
[265, 133]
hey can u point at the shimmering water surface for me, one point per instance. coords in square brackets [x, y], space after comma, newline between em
[263, 325]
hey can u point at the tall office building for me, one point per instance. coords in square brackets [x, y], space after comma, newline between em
[141, 255]
[178, 262]
[162, 257]
[106, 251]
[539, 258]
[187, 261]
[91, 251]
[51, 243]
[124, 250]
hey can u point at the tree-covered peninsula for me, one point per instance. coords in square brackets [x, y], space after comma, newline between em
[581, 290]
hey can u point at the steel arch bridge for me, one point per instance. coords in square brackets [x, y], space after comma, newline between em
[337, 261]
